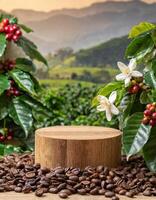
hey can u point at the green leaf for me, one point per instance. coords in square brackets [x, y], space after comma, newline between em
[25, 65]
[125, 108]
[31, 50]
[150, 79]
[3, 44]
[141, 28]
[113, 86]
[146, 97]
[4, 83]
[13, 20]
[23, 80]
[140, 47]
[4, 105]
[21, 113]
[149, 151]
[2, 146]
[135, 134]
[25, 28]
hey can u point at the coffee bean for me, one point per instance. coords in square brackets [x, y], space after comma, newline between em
[129, 194]
[122, 192]
[63, 195]
[115, 198]
[147, 193]
[94, 191]
[109, 194]
[18, 189]
[39, 192]
[102, 191]
[110, 186]
[81, 191]
[74, 178]
[100, 168]
[53, 190]
[2, 189]
[85, 182]
[30, 174]
[59, 171]
[61, 186]
[66, 191]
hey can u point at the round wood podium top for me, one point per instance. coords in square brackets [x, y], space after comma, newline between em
[78, 132]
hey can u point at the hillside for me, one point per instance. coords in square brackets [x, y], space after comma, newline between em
[107, 53]
[86, 27]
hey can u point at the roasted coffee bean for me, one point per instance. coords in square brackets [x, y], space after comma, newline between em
[122, 192]
[66, 191]
[102, 191]
[61, 186]
[81, 191]
[18, 189]
[30, 174]
[39, 192]
[2, 189]
[109, 194]
[63, 195]
[147, 193]
[99, 169]
[115, 198]
[110, 186]
[129, 194]
[94, 191]
[53, 190]
[74, 178]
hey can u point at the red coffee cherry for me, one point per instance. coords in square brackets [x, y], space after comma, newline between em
[147, 113]
[154, 115]
[5, 21]
[152, 122]
[145, 121]
[148, 106]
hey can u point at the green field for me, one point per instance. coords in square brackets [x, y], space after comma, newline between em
[56, 83]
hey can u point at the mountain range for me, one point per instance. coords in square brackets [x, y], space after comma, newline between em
[86, 27]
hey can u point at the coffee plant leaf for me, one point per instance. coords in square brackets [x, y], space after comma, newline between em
[23, 80]
[4, 83]
[21, 114]
[4, 106]
[150, 79]
[141, 28]
[2, 146]
[149, 151]
[26, 28]
[140, 47]
[25, 65]
[105, 91]
[146, 97]
[30, 50]
[3, 44]
[135, 134]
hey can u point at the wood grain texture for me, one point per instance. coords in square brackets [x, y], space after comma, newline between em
[19, 196]
[77, 146]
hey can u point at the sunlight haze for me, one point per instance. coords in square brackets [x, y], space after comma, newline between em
[46, 5]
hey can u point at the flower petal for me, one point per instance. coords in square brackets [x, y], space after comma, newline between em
[137, 74]
[108, 114]
[114, 109]
[132, 64]
[122, 67]
[101, 108]
[102, 98]
[112, 97]
[120, 77]
[127, 81]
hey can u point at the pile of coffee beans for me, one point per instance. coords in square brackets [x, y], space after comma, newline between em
[19, 173]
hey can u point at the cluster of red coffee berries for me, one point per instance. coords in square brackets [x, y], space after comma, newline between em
[8, 135]
[12, 31]
[7, 65]
[12, 91]
[137, 85]
[150, 115]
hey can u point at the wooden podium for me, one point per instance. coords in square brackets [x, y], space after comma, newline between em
[77, 146]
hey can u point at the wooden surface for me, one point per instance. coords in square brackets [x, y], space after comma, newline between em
[77, 146]
[19, 196]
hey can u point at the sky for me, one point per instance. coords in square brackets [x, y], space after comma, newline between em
[46, 5]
